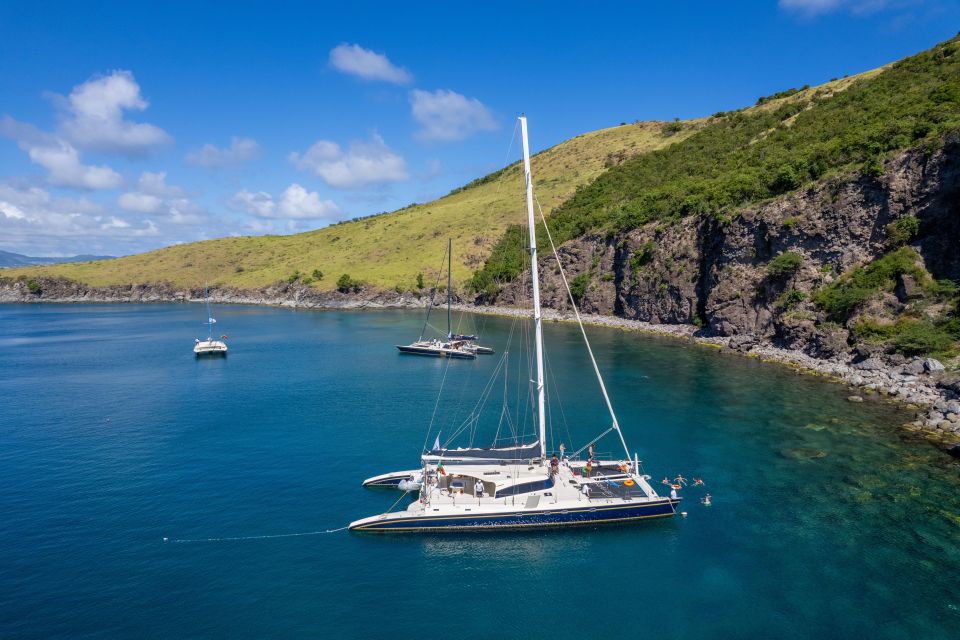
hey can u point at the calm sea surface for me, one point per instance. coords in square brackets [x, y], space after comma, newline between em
[825, 521]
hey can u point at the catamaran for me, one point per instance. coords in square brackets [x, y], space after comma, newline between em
[519, 486]
[209, 347]
[455, 345]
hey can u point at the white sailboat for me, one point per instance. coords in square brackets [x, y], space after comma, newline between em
[519, 486]
[454, 346]
[210, 346]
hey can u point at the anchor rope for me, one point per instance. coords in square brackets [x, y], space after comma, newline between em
[262, 537]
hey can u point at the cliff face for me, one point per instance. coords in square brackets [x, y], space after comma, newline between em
[715, 272]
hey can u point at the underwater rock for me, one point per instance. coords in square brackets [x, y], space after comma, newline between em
[855, 398]
[803, 453]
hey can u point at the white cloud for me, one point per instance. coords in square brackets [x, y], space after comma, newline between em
[259, 203]
[94, 116]
[364, 63]
[240, 150]
[34, 221]
[155, 196]
[294, 203]
[155, 184]
[364, 163]
[447, 115]
[141, 202]
[60, 158]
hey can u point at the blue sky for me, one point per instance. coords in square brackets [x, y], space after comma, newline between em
[127, 127]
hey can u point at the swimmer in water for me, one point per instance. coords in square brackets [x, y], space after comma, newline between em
[665, 481]
[706, 501]
[697, 482]
[680, 479]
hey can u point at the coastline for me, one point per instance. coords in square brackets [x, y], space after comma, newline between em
[919, 385]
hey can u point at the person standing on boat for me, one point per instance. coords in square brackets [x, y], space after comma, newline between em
[585, 490]
[563, 449]
[554, 466]
[478, 488]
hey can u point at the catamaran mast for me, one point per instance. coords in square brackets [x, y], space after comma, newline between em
[535, 280]
[449, 283]
[206, 299]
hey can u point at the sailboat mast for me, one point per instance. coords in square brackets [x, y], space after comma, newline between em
[535, 281]
[449, 285]
[206, 299]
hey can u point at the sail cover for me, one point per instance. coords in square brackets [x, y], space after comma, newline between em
[519, 452]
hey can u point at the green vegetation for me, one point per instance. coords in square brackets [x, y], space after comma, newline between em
[790, 299]
[785, 264]
[346, 284]
[643, 256]
[317, 274]
[914, 336]
[791, 140]
[578, 287]
[902, 231]
[419, 280]
[851, 290]
[33, 286]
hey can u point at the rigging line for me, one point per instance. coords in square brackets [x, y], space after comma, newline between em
[436, 404]
[576, 311]
[513, 137]
[473, 417]
[264, 537]
[433, 292]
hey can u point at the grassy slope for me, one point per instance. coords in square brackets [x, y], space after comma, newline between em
[386, 250]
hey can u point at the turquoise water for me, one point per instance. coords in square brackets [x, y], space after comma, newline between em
[826, 522]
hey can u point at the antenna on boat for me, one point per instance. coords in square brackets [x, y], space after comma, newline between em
[535, 281]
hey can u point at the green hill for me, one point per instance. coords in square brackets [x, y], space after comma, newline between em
[390, 249]
[739, 158]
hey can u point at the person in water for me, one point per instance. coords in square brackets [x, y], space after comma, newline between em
[681, 480]
[706, 501]
[697, 482]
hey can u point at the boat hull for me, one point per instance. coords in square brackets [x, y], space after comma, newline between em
[434, 352]
[593, 514]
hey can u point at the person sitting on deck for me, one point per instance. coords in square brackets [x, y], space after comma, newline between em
[585, 490]
[478, 488]
[554, 465]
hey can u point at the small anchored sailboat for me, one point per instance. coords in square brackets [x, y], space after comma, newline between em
[455, 345]
[210, 346]
[519, 486]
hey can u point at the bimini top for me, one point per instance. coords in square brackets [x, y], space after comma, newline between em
[519, 452]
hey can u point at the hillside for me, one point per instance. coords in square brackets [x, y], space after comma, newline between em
[388, 250]
[8, 259]
[822, 222]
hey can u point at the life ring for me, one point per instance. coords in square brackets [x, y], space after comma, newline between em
[628, 482]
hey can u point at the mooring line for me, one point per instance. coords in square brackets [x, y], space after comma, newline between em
[266, 537]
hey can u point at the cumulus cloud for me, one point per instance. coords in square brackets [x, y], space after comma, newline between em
[294, 203]
[94, 116]
[364, 63]
[155, 196]
[364, 163]
[448, 115]
[240, 150]
[60, 158]
[32, 220]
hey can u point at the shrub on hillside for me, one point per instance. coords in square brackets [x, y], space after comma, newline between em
[902, 231]
[843, 296]
[785, 264]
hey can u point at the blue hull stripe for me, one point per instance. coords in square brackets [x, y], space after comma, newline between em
[526, 519]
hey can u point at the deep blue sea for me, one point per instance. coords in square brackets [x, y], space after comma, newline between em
[827, 520]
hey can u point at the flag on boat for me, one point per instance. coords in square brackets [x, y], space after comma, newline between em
[440, 469]
[436, 443]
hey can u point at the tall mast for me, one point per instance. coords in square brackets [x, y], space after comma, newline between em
[535, 281]
[206, 299]
[449, 284]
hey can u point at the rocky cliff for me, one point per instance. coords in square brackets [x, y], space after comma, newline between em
[716, 272]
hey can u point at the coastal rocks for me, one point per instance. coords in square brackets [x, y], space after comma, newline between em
[914, 367]
[932, 366]
[742, 343]
[870, 364]
[803, 453]
[855, 398]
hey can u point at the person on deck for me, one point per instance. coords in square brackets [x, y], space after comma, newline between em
[478, 489]
[585, 490]
[563, 449]
[554, 465]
